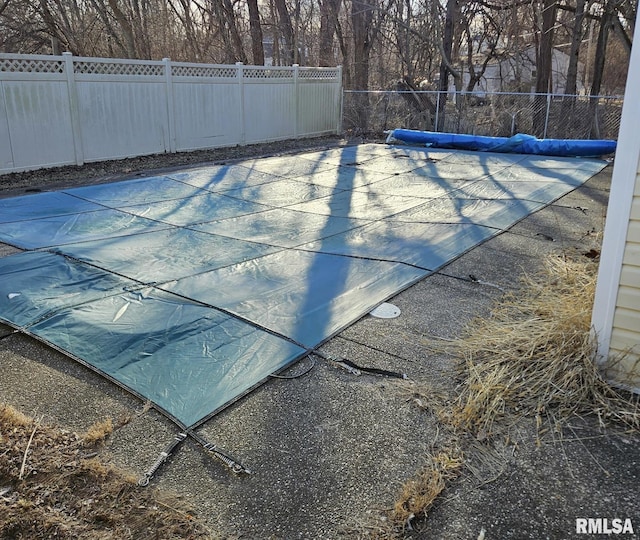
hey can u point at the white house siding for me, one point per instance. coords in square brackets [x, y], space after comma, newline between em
[616, 310]
[501, 76]
[625, 333]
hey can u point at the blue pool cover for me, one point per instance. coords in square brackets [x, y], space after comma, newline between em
[517, 144]
[191, 288]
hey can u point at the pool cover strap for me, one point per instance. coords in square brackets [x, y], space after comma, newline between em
[234, 465]
[354, 368]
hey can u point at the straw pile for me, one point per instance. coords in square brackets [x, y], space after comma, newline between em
[419, 494]
[534, 356]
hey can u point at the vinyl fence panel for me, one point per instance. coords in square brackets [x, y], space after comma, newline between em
[318, 104]
[6, 155]
[36, 114]
[122, 108]
[59, 110]
[206, 106]
[270, 104]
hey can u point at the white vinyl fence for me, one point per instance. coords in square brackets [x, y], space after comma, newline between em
[64, 110]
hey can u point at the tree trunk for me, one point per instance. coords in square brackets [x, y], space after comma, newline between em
[328, 16]
[571, 87]
[192, 44]
[361, 18]
[257, 48]
[598, 65]
[139, 19]
[62, 33]
[447, 45]
[223, 12]
[572, 71]
[345, 51]
[287, 31]
[601, 49]
[543, 66]
[236, 40]
[113, 36]
[125, 26]
[445, 63]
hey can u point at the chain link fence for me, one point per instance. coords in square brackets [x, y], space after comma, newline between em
[501, 114]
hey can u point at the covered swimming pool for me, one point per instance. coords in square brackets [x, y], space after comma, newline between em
[192, 287]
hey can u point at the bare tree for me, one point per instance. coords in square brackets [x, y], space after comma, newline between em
[126, 28]
[328, 23]
[21, 28]
[571, 86]
[257, 48]
[544, 64]
[606, 24]
[192, 48]
[482, 32]
[223, 10]
[362, 16]
[447, 68]
[285, 26]
[545, 46]
[447, 46]
[70, 26]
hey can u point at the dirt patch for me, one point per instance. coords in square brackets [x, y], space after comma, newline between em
[106, 171]
[53, 483]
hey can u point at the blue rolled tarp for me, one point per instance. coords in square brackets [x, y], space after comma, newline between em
[518, 144]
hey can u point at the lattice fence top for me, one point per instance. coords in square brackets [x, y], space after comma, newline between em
[267, 73]
[10, 63]
[118, 68]
[320, 74]
[204, 71]
[29, 65]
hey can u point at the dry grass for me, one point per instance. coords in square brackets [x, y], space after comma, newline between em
[416, 498]
[53, 485]
[534, 356]
[13, 417]
[419, 494]
[98, 432]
